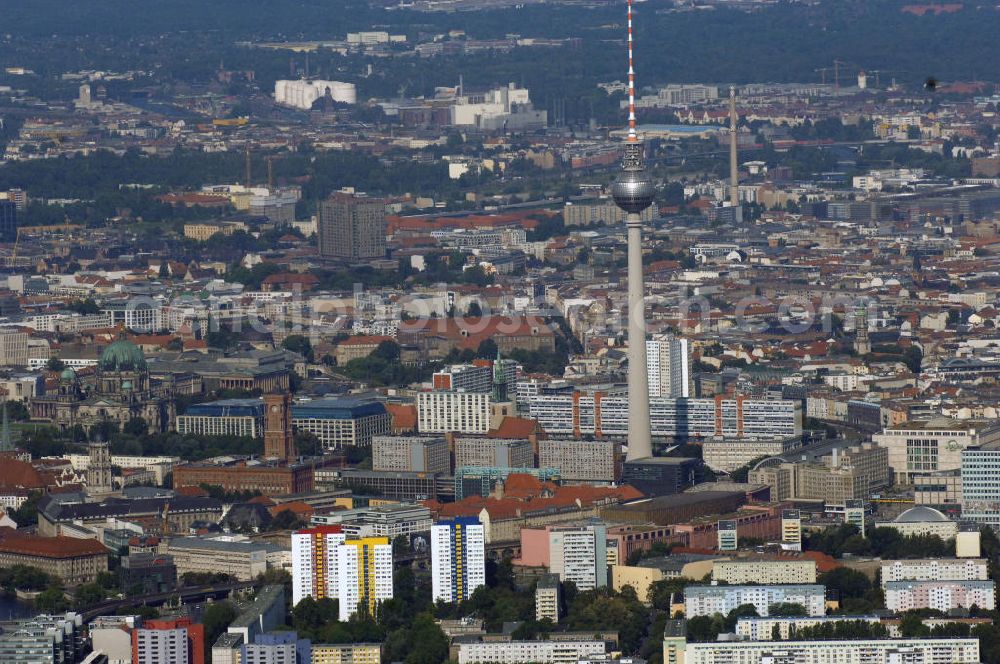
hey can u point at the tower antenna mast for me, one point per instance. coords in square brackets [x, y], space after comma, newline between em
[633, 192]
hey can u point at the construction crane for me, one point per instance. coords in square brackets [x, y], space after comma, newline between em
[836, 73]
[822, 71]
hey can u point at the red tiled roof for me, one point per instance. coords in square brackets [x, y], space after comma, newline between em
[15, 474]
[52, 547]
[515, 427]
[404, 417]
[193, 491]
[296, 507]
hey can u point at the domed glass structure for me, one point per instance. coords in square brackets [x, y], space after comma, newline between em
[921, 514]
[122, 355]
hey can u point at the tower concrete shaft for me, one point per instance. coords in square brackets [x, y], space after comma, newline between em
[734, 169]
[640, 438]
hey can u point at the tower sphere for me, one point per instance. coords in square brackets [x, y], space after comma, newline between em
[633, 191]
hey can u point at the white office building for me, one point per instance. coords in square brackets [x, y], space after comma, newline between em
[458, 412]
[458, 559]
[921, 447]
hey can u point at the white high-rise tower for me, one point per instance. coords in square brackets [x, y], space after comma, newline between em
[668, 359]
[633, 192]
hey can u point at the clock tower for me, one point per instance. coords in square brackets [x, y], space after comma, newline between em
[278, 437]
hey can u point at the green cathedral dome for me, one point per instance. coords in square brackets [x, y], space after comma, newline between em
[68, 374]
[122, 355]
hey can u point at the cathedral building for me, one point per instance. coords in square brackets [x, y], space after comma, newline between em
[122, 391]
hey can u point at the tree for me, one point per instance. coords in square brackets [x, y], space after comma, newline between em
[55, 364]
[137, 427]
[847, 582]
[787, 609]
[216, 619]
[912, 626]
[300, 344]
[487, 349]
[474, 310]
[51, 600]
[88, 594]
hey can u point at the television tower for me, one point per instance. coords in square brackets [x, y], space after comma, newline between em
[633, 192]
[734, 168]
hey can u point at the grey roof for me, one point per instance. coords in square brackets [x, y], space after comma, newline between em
[788, 588]
[920, 514]
[904, 585]
[56, 511]
[228, 640]
[214, 545]
[267, 596]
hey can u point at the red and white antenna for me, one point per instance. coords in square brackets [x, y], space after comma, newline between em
[632, 137]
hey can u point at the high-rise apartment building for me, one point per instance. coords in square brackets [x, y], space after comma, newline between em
[351, 227]
[364, 575]
[547, 598]
[8, 221]
[178, 641]
[791, 530]
[668, 359]
[314, 571]
[356, 572]
[579, 554]
[458, 559]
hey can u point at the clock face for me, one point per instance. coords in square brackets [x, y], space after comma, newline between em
[274, 409]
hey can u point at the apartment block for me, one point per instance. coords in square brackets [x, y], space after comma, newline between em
[940, 595]
[579, 460]
[596, 414]
[737, 572]
[529, 652]
[708, 600]
[420, 454]
[860, 651]
[966, 569]
[493, 453]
